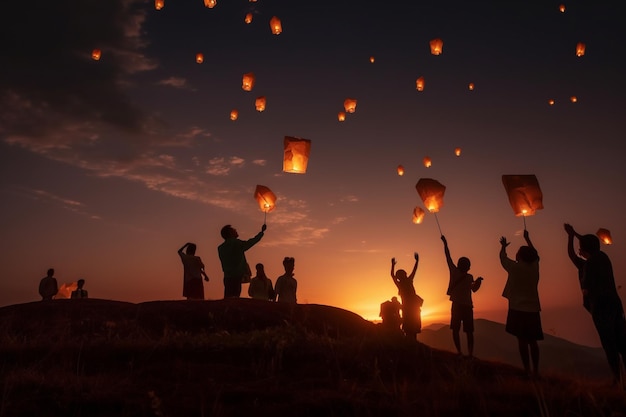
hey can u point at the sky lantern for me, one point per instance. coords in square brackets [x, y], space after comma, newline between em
[276, 26]
[248, 18]
[260, 103]
[341, 116]
[580, 49]
[266, 199]
[349, 105]
[573, 99]
[372, 59]
[524, 194]
[96, 54]
[457, 151]
[400, 170]
[248, 81]
[296, 154]
[470, 86]
[431, 192]
[234, 114]
[551, 102]
[158, 4]
[436, 46]
[418, 215]
[562, 8]
[419, 84]
[199, 58]
[210, 3]
[605, 236]
[65, 290]
[427, 162]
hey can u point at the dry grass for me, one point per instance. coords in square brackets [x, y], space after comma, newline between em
[240, 357]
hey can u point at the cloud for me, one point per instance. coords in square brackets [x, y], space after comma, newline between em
[66, 203]
[175, 82]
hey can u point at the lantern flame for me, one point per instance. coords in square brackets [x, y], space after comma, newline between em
[418, 215]
[419, 84]
[96, 54]
[605, 236]
[296, 154]
[436, 46]
[265, 197]
[524, 194]
[276, 26]
[580, 49]
[431, 192]
[247, 82]
[260, 103]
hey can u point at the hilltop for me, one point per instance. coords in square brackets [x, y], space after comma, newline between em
[248, 357]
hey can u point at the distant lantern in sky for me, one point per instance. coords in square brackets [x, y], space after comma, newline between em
[296, 154]
[349, 105]
[562, 8]
[573, 99]
[199, 58]
[551, 102]
[341, 116]
[419, 84]
[580, 49]
[400, 170]
[210, 3]
[234, 114]
[605, 236]
[431, 192]
[260, 103]
[457, 151]
[436, 46]
[158, 4]
[247, 82]
[524, 194]
[248, 18]
[427, 162]
[96, 54]
[372, 59]
[470, 86]
[265, 197]
[418, 215]
[276, 26]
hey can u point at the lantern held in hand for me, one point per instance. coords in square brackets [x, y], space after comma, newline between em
[296, 154]
[605, 236]
[266, 199]
[524, 193]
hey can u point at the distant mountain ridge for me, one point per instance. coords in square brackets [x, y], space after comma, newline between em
[492, 342]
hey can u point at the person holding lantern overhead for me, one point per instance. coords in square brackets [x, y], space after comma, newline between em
[411, 302]
[232, 254]
[600, 297]
[460, 288]
[523, 319]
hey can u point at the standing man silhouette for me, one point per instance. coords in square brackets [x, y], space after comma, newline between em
[232, 253]
[48, 287]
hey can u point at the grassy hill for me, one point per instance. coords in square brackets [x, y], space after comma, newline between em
[242, 357]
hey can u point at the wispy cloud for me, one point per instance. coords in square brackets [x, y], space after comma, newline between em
[176, 82]
[66, 203]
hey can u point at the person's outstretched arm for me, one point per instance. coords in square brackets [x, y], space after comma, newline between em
[417, 259]
[527, 239]
[503, 258]
[393, 270]
[446, 250]
[571, 252]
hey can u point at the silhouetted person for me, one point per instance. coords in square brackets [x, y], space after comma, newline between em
[261, 287]
[411, 302]
[79, 292]
[232, 253]
[460, 288]
[193, 272]
[390, 314]
[523, 319]
[48, 287]
[286, 284]
[600, 297]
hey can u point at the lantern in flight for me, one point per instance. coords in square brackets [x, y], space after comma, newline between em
[158, 4]
[296, 154]
[248, 81]
[427, 162]
[418, 215]
[580, 49]
[276, 26]
[199, 58]
[457, 151]
[573, 99]
[210, 3]
[605, 236]
[234, 114]
[96, 54]
[470, 86]
[260, 103]
[265, 197]
[349, 105]
[436, 46]
[562, 8]
[248, 18]
[419, 84]
[400, 170]
[431, 192]
[341, 116]
[372, 59]
[551, 102]
[524, 194]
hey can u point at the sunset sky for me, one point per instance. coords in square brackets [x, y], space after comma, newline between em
[108, 167]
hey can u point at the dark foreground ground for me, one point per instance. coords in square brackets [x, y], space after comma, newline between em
[243, 357]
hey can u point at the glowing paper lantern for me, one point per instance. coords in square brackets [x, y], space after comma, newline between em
[248, 18]
[248, 81]
[605, 236]
[470, 86]
[427, 162]
[260, 103]
[96, 54]
[431, 192]
[199, 58]
[457, 151]
[349, 105]
[234, 114]
[551, 102]
[419, 84]
[341, 116]
[372, 59]
[436, 46]
[400, 170]
[158, 4]
[580, 49]
[418, 215]
[296, 154]
[210, 3]
[524, 194]
[573, 99]
[265, 197]
[275, 26]
[562, 8]
[65, 290]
